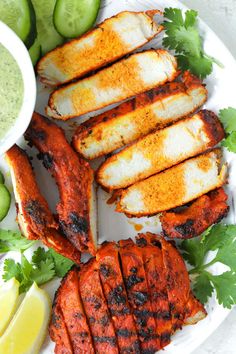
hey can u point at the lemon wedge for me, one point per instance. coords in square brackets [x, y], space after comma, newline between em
[27, 330]
[9, 293]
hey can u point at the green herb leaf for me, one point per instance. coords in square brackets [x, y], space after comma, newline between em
[62, 264]
[182, 35]
[13, 241]
[203, 288]
[44, 272]
[230, 142]
[220, 238]
[228, 118]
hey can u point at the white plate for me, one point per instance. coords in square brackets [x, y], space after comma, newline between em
[114, 226]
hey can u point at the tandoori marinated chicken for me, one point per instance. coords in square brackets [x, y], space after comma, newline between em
[109, 41]
[138, 117]
[174, 187]
[124, 79]
[76, 209]
[130, 299]
[161, 150]
[193, 220]
[33, 214]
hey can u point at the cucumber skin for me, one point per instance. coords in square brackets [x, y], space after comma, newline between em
[35, 52]
[33, 30]
[98, 4]
[5, 205]
[2, 179]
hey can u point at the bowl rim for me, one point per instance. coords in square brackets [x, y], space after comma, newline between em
[20, 53]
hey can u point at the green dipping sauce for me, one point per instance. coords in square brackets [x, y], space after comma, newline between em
[11, 90]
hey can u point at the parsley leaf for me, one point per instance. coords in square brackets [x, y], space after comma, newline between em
[44, 266]
[228, 118]
[222, 239]
[183, 37]
[13, 241]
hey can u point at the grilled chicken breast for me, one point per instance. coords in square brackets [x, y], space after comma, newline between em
[131, 120]
[74, 177]
[126, 78]
[96, 310]
[117, 299]
[109, 41]
[192, 221]
[33, 214]
[156, 275]
[175, 186]
[161, 150]
[139, 297]
[129, 299]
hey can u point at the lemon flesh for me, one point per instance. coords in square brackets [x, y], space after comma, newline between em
[9, 293]
[27, 330]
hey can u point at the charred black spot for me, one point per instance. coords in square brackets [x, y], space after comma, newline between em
[56, 320]
[186, 228]
[141, 242]
[134, 270]
[141, 321]
[97, 306]
[150, 351]
[140, 298]
[124, 311]
[47, 159]
[124, 333]
[82, 334]
[105, 270]
[78, 315]
[90, 131]
[165, 337]
[111, 340]
[116, 296]
[172, 307]
[105, 119]
[36, 211]
[114, 115]
[148, 334]
[133, 104]
[177, 316]
[92, 320]
[134, 348]
[104, 320]
[132, 280]
[79, 224]
[35, 134]
[150, 94]
[156, 243]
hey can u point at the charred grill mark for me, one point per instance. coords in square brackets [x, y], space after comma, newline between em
[165, 337]
[36, 133]
[123, 311]
[148, 334]
[141, 242]
[79, 224]
[150, 95]
[82, 334]
[124, 333]
[47, 159]
[116, 296]
[36, 212]
[133, 104]
[78, 315]
[186, 228]
[110, 340]
[105, 270]
[132, 349]
[140, 297]
[150, 351]
[132, 280]
[56, 320]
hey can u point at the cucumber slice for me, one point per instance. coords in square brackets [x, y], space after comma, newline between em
[2, 179]
[35, 52]
[5, 201]
[72, 18]
[20, 17]
[48, 37]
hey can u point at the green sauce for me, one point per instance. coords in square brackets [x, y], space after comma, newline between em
[11, 90]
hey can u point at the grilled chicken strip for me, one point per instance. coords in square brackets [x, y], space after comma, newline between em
[76, 210]
[95, 308]
[138, 295]
[138, 117]
[128, 77]
[178, 283]
[175, 186]
[34, 216]
[161, 150]
[194, 311]
[156, 275]
[57, 329]
[190, 222]
[74, 316]
[109, 41]
[117, 300]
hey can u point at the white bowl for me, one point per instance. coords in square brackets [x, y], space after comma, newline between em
[18, 50]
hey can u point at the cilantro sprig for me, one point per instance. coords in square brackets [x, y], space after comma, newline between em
[13, 241]
[228, 118]
[221, 239]
[44, 266]
[182, 35]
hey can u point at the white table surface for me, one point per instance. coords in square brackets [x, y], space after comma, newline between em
[220, 15]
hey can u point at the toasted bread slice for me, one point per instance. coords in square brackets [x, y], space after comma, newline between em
[74, 177]
[161, 150]
[109, 41]
[128, 77]
[33, 214]
[131, 120]
[175, 186]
